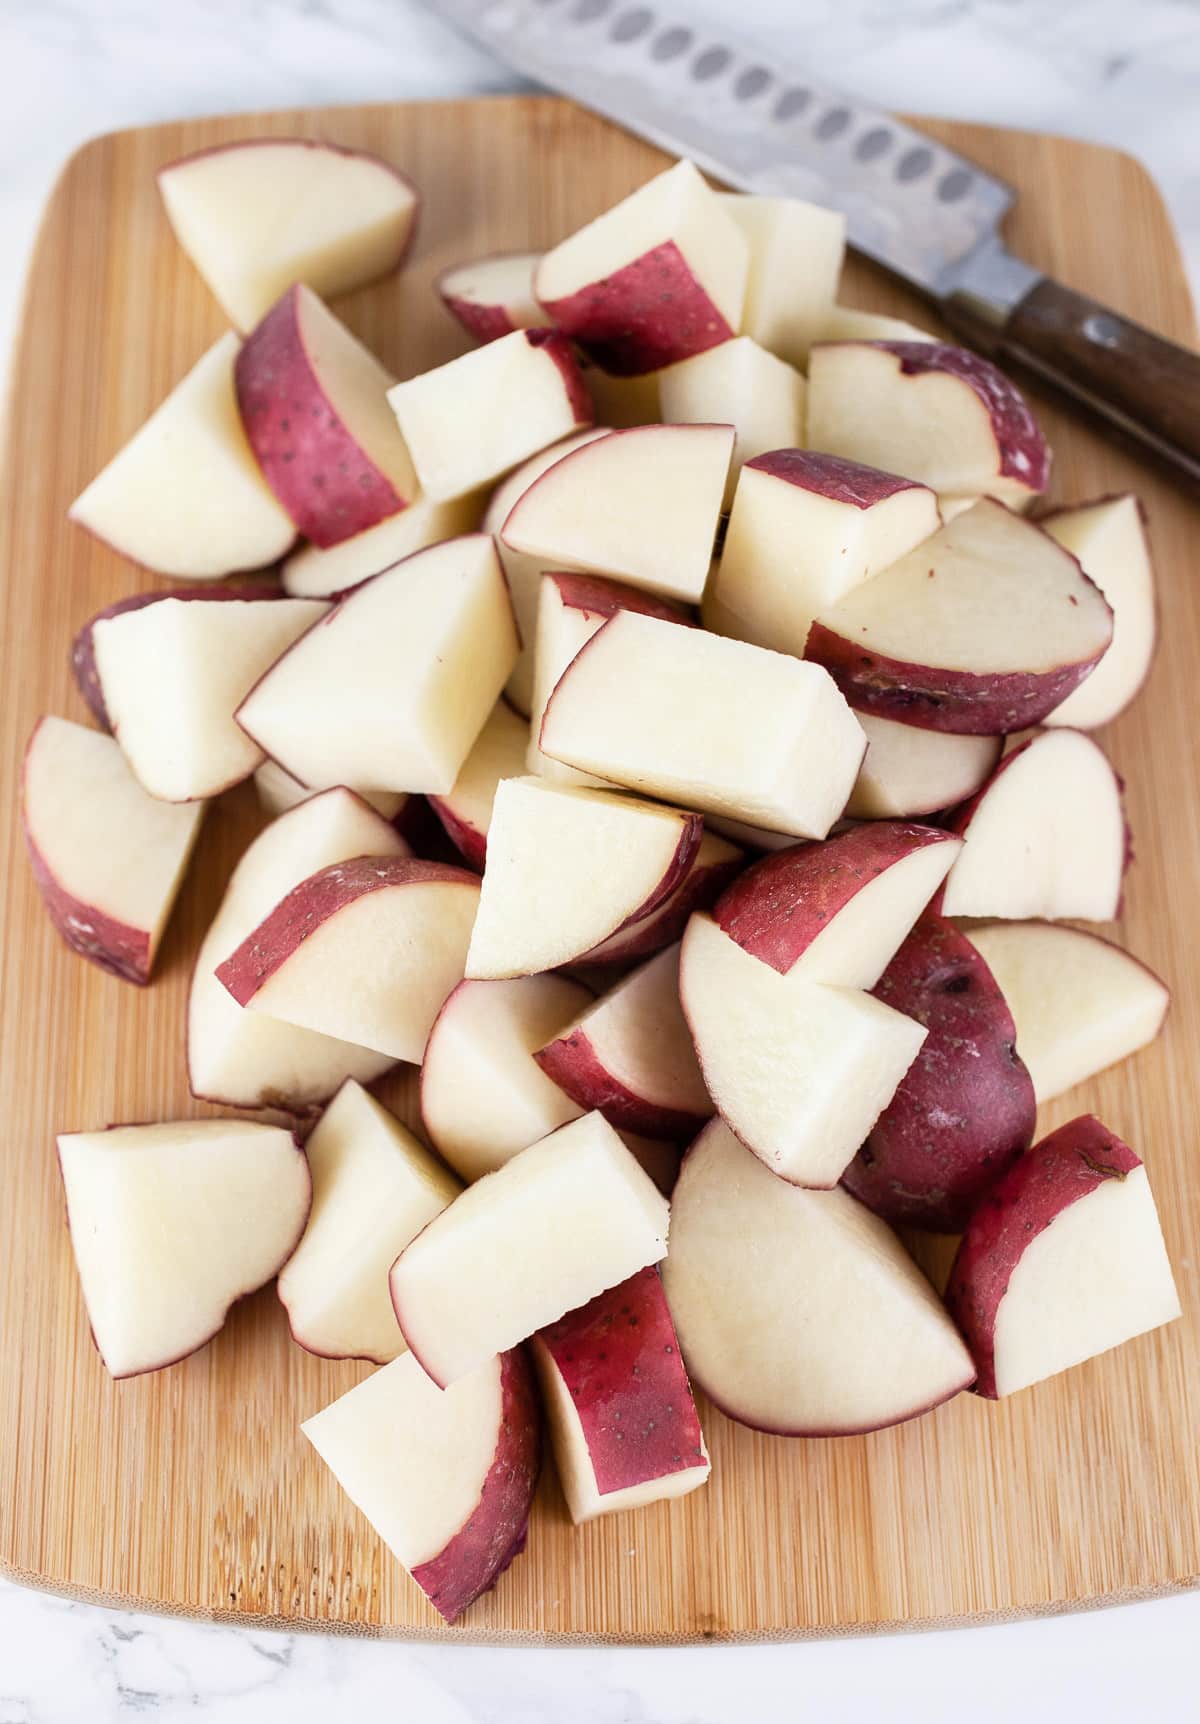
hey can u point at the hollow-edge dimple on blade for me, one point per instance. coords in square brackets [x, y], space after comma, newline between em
[910, 203]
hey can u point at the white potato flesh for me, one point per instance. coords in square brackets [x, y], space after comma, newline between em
[638, 1034]
[258, 216]
[564, 1220]
[826, 1327]
[641, 505]
[791, 552]
[278, 791]
[240, 1057]
[484, 1098]
[798, 1070]
[621, 403]
[565, 869]
[185, 496]
[355, 385]
[563, 629]
[676, 207]
[394, 687]
[714, 724]
[376, 972]
[524, 574]
[411, 1456]
[908, 772]
[796, 252]
[848, 323]
[1003, 598]
[102, 840]
[472, 419]
[498, 752]
[374, 1188]
[1109, 538]
[174, 673]
[171, 1223]
[1047, 837]
[312, 572]
[1095, 1277]
[1080, 1003]
[738, 383]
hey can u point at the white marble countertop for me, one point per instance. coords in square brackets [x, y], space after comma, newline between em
[1122, 72]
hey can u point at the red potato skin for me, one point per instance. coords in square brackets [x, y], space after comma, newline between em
[699, 890]
[483, 1548]
[122, 951]
[1024, 454]
[832, 476]
[484, 322]
[681, 862]
[559, 349]
[600, 597]
[1069, 1164]
[965, 1109]
[776, 909]
[572, 1062]
[127, 1376]
[619, 1360]
[931, 698]
[468, 840]
[83, 651]
[310, 904]
[649, 313]
[318, 472]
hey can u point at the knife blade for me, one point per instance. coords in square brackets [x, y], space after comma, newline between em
[919, 209]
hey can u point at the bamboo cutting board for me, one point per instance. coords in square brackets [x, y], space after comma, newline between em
[192, 1490]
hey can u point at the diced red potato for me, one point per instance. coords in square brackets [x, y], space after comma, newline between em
[752, 837]
[185, 496]
[655, 1156]
[107, 858]
[170, 674]
[1046, 836]
[738, 383]
[796, 252]
[825, 1328]
[800, 1071]
[571, 608]
[392, 689]
[908, 772]
[364, 950]
[641, 505]
[806, 529]
[1062, 1260]
[543, 842]
[244, 1059]
[524, 573]
[171, 1224]
[484, 1097]
[562, 1221]
[1080, 1004]
[1109, 538]
[981, 630]
[622, 1419]
[937, 413]
[657, 277]
[965, 1109]
[466, 809]
[278, 791]
[837, 912]
[445, 1476]
[715, 724]
[629, 1055]
[492, 296]
[621, 403]
[374, 1187]
[314, 573]
[713, 865]
[261, 214]
[475, 418]
[313, 402]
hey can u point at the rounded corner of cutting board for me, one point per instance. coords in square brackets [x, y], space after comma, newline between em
[1083, 1491]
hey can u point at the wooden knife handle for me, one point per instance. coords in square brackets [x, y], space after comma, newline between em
[1146, 386]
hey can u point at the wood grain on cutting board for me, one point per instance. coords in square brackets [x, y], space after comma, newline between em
[192, 1490]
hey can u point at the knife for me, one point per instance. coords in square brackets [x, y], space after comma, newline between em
[920, 210]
